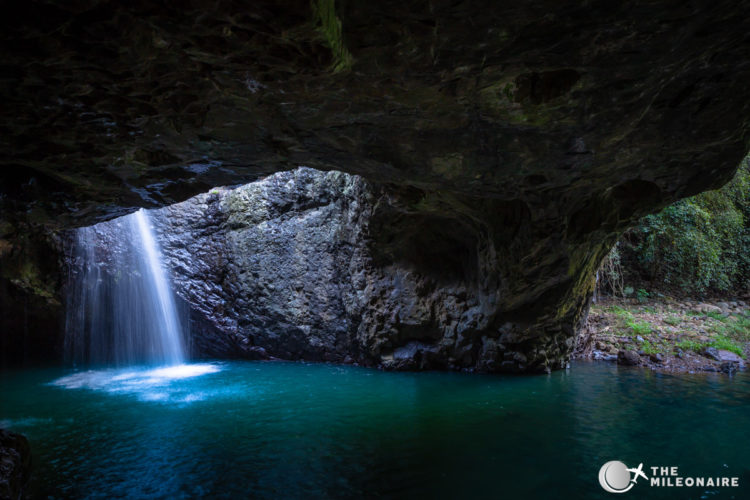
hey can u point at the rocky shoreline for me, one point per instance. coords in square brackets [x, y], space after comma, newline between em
[669, 335]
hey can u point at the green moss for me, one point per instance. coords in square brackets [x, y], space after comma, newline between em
[328, 26]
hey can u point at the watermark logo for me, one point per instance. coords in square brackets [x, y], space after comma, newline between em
[616, 477]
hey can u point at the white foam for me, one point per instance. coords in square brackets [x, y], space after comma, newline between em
[148, 384]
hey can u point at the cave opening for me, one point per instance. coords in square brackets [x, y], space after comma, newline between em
[355, 328]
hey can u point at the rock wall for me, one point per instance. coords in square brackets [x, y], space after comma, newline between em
[288, 267]
[520, 137]
[15, 465]
[31, 280]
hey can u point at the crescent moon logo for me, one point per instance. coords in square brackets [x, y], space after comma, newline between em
[614, 477]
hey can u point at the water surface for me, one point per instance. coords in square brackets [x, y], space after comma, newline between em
[271, 430]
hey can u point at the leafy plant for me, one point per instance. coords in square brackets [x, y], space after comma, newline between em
[649, 348]
[641, 295]
[639, 327]
[690, 345]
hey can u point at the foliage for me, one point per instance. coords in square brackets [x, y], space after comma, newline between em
[690, 345]
[609, 277]
[721, 342]
[698, 244]
[648, 348]
[329, 27]
[639, 327]
[621, 312]
[736, 327]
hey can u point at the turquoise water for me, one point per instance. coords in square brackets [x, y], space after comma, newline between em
[287, 430]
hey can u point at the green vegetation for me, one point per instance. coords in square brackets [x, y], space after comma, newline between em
[715, 315]
[695, 246]
[690, 345]
[721, 342]
[649, 348]
[673, 320]
[621, 312]
[328, 26]
[639, 327]
[735, 327]
[628, 319]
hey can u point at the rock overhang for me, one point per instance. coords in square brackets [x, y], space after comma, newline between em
[515, 141]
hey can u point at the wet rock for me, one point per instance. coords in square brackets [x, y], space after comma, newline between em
[496, 171]
[289, 268]
[656, 358]
[721, 355]
[728, 367]
[628, 358]
[603, 356]
[15, 464]
[711, 352]
[729, 356]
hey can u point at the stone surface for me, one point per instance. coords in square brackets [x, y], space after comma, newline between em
[513, 141]
[728, 356]
[728, 367]
[628, 358]
[15, 465]
[288, 268]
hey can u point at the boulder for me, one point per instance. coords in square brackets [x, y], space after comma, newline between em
[628, 358]
[656, 358]
[707, 308]
[728, 367]
[15, 465]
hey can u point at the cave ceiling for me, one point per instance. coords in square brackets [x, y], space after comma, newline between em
[107, 106]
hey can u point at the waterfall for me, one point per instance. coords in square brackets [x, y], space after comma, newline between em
[121, 309]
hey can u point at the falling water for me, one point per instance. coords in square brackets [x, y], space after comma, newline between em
[169, 324]
[121, 309]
